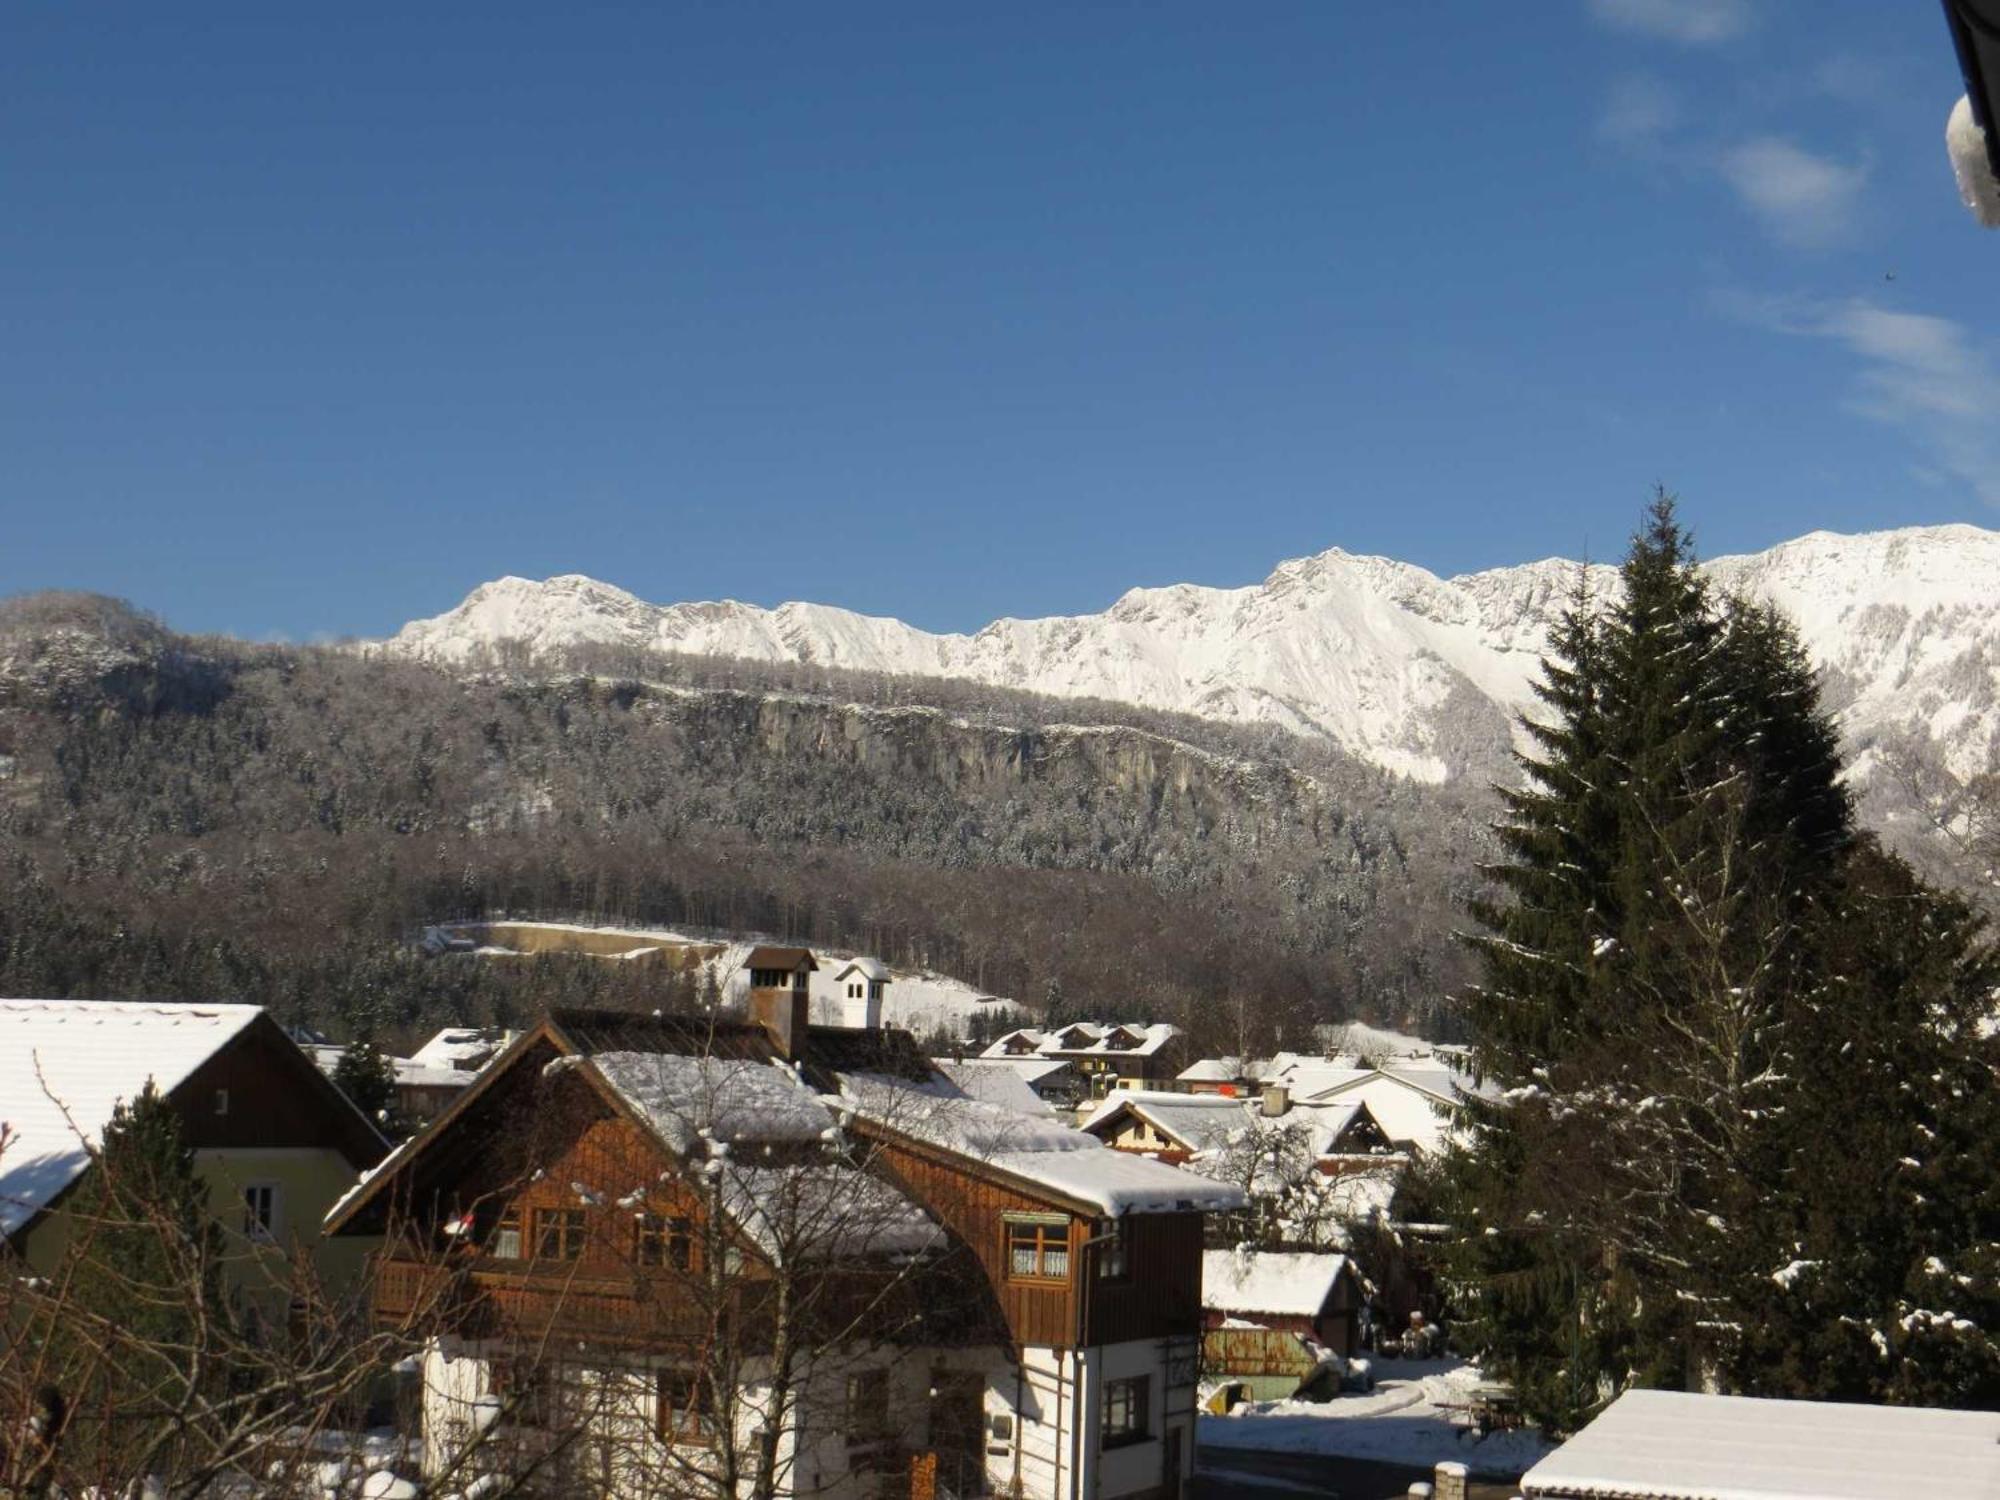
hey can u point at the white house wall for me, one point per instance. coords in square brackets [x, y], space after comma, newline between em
[620, 1400]
[1135, 1467]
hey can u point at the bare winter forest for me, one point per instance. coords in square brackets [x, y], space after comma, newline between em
[205, 818]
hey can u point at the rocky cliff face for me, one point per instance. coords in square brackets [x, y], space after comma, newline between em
[1413, 673]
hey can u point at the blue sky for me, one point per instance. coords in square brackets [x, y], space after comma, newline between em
[313, 318]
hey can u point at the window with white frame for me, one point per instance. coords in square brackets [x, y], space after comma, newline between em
[260, 1211]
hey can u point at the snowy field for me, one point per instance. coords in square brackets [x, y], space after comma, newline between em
[1406, 1419]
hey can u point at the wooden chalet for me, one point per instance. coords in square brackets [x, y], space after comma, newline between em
[985, 1301]
[1118, 1056]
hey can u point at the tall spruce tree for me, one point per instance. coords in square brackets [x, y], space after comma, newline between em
[1672, 991]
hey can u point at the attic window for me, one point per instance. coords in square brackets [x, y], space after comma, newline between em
[222, 1101]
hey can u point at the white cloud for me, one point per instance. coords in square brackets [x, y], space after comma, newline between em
[1917, 372]
[1694, 21]
[1639, 112]
[1801, 198]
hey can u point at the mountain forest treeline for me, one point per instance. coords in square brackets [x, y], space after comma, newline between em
[206, 818]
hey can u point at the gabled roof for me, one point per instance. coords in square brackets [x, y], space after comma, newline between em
[1064, 1167]
[1088, 1039]
[703, 1088]
[999, 1082]
[1031, 1068]
[867, 968]
[1210, 1122]
[1195, 1122]
[1681, 1445]
[66, 1064]
[1274, 1283]
[791, 960]
[1213, 1070]
[1410, 1104]
[465, 1048]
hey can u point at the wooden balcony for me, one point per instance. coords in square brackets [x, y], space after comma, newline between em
[479, 1299]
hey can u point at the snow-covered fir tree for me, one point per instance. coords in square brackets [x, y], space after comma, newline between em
[1690, 954]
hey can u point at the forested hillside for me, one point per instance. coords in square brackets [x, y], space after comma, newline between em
[207, 818]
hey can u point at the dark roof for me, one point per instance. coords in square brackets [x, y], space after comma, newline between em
[789, 959]
[1975, 31]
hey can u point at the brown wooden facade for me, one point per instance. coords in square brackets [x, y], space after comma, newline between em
[1157, 1294]
[260, 1092]
[535, 1137]
[615, 1246]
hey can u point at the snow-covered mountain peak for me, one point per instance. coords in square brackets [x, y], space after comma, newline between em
[1414, 672]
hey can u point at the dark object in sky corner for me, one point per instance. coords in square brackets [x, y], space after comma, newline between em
[1975, 32]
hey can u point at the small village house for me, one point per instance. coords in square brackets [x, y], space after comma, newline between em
[1121, 1056]
[1217, 1075]
[1316, 1294]
[1273, 1316]
[915, 1290]
[275, 1141]
[1175, 1127]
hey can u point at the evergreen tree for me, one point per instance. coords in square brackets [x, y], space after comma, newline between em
[1884, 1205]
[369, 1080]
[1688, 950]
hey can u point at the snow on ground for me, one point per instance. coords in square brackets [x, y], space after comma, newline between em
[917, 1000]
[1406, 1419]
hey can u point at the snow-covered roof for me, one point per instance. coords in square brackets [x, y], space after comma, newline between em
[1200, 1122]
[64, 1065]
[999, 1081]
[1032, 1069]
[1209, 1122]
[1410, 1104]
[867, 968]
[1363, 1197]
[686, 1099]
[413, 1074]
[819, 1212]
[1038, 1152]
[1087, 1038]
[723, 1111]
[1277, 1283]
[1679, 1445]
[1212, 1070]
[408, 1071]
[464, 1048]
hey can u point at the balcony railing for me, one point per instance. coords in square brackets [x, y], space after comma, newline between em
[481, 1299]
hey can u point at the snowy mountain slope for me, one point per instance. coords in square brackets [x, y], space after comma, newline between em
[1410, 671]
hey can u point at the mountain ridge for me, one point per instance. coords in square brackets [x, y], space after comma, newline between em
[1411, 672]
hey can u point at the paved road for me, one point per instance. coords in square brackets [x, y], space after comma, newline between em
[1245, 1474]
